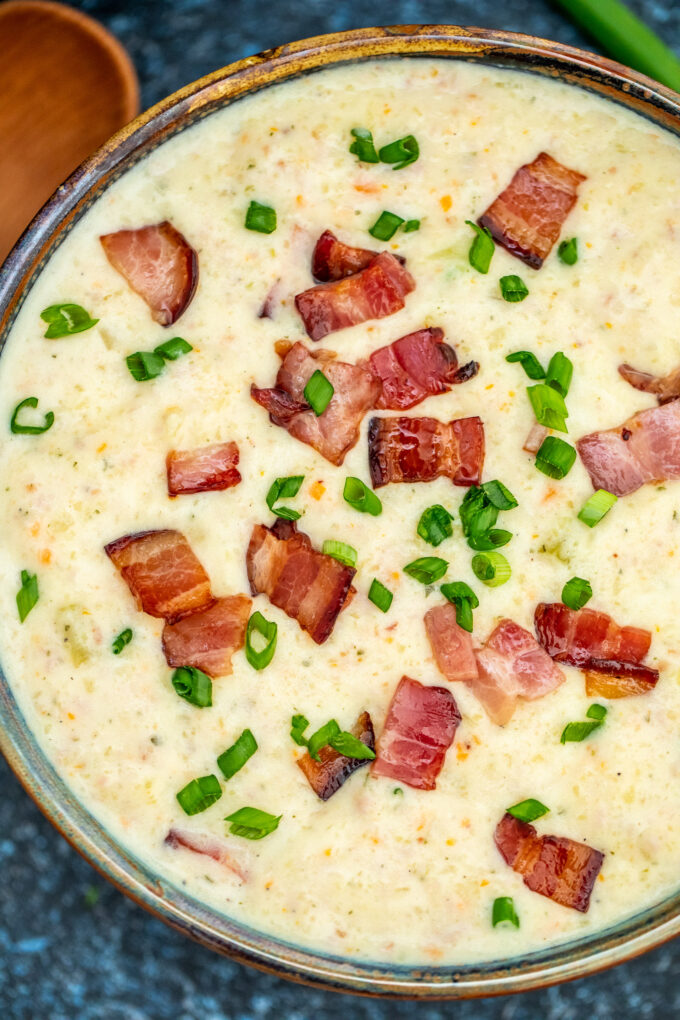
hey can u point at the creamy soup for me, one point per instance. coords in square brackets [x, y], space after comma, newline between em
[381, 870]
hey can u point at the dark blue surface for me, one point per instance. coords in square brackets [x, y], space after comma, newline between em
[71, 946]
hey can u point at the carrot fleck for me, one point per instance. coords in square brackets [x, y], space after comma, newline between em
[45, 556]
[101, 448]
[317, 489]
[445, 202]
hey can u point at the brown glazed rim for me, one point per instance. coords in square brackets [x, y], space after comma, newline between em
[572, 960]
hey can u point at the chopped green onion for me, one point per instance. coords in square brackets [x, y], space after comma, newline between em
[479, 512]
[402, 152]
[499, 495]
[481, 249]
[574, 732]
[29, 430]
[494, 539]
[560, 371]
[464, 599]
[199, 794]
[361, 497]
[266, 629]
[549, 407]
[340, 551]
[28, 594]
[193, 685]
[261, 218]
[172, 349]
[427, 569]
[504, 910]
[321, 738]
[411, 225]
[349, 745]
[318, 392]
[529, 363]
[555, 458]
[123, 639]
[379, 595]
[513, 288]
[235, 757]
[298, 725]
[595, 508]
[568, 251]
[435, 524]
[491, 568]
[577, 592]
[363, 146]
[386, 226]
[284, 488]
[145, 365]
[596, 712]
[251, 823]
[528, 810]
[65, 320]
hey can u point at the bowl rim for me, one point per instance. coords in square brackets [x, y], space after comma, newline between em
[39, 778]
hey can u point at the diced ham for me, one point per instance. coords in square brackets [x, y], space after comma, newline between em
[333, 260]
[374, 292]
[553, 866]
[162, 572]
[422, 449]
[159, 264]
[420, 727]
[209, 846]
[664, 387]
[646, 448]
[417, 366]
[452, 647]
[307, 585]
[534, 440]
[327, 776]
[336, 430]
[205, 469]
[208, 639]
[527, 217]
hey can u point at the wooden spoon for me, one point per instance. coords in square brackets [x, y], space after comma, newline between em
[66, 85]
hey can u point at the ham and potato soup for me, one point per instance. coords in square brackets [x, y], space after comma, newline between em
[339, 515]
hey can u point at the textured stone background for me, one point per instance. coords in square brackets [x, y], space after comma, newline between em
[71, 946]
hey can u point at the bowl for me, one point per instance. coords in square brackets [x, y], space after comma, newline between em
[558, 963]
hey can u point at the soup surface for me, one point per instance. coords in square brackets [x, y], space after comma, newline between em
[381, 870]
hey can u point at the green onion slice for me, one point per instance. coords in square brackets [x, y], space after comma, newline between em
[481, 249]
[258, 659]
[494, 539]
[560, 371]
[577, 592]
[28, 594]
[529, 363]
[499, 495]
[235, 757]
[284, 488]
[479, 512]
[411, 225]
[596, 712]
[65, 320]
[251, 823]
[427, 569]
[199, 794]
[349, 745]
[513, 288]
[298, 725]
[363, 146]
[491, 568]
[555, 458]
[173, 349]
[596, 507]
[145, 365]
[318, 392]
[464, 599]
[341, 552]
[361, 497]
[504, 910]
[402, 153]
[29, 430]
[379, 595]
[261, 218]
[386, 226]
[193, 685]
[528, 810]
[568, 251]
[434, 525]
[577, 731]
[321, 738]
[123, 639]
[548, 406]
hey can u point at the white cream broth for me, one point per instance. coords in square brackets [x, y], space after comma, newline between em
[406, 878]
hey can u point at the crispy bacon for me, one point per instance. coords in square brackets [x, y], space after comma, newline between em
[327, 776]
[527, 217]
[202, 470]
[307, 585]
[336, 430]
[420, 727]
[553, 866]
[646, 448]
[639, 680]
[333, 260]
[422, 449]
[208, 639]
[417, 366]
[452, 647]
[210, 846]
[374, 292]
[159, 264]
[162, 572]
[664, 387]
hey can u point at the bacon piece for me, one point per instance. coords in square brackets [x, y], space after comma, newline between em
[162, 572]
[553, 866]
[452, 647]
[327, 776]
[207, 640]
[334, 432]
[159, 264]
[420, 727]
[534, 440]
[638, 681]
[417, 366]
[307, 585]
[422, 449]
[646, 448]
[374, 292]
[210, 846]
[202, 470]
[664, 387]
[527, 217]
[333, 260]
